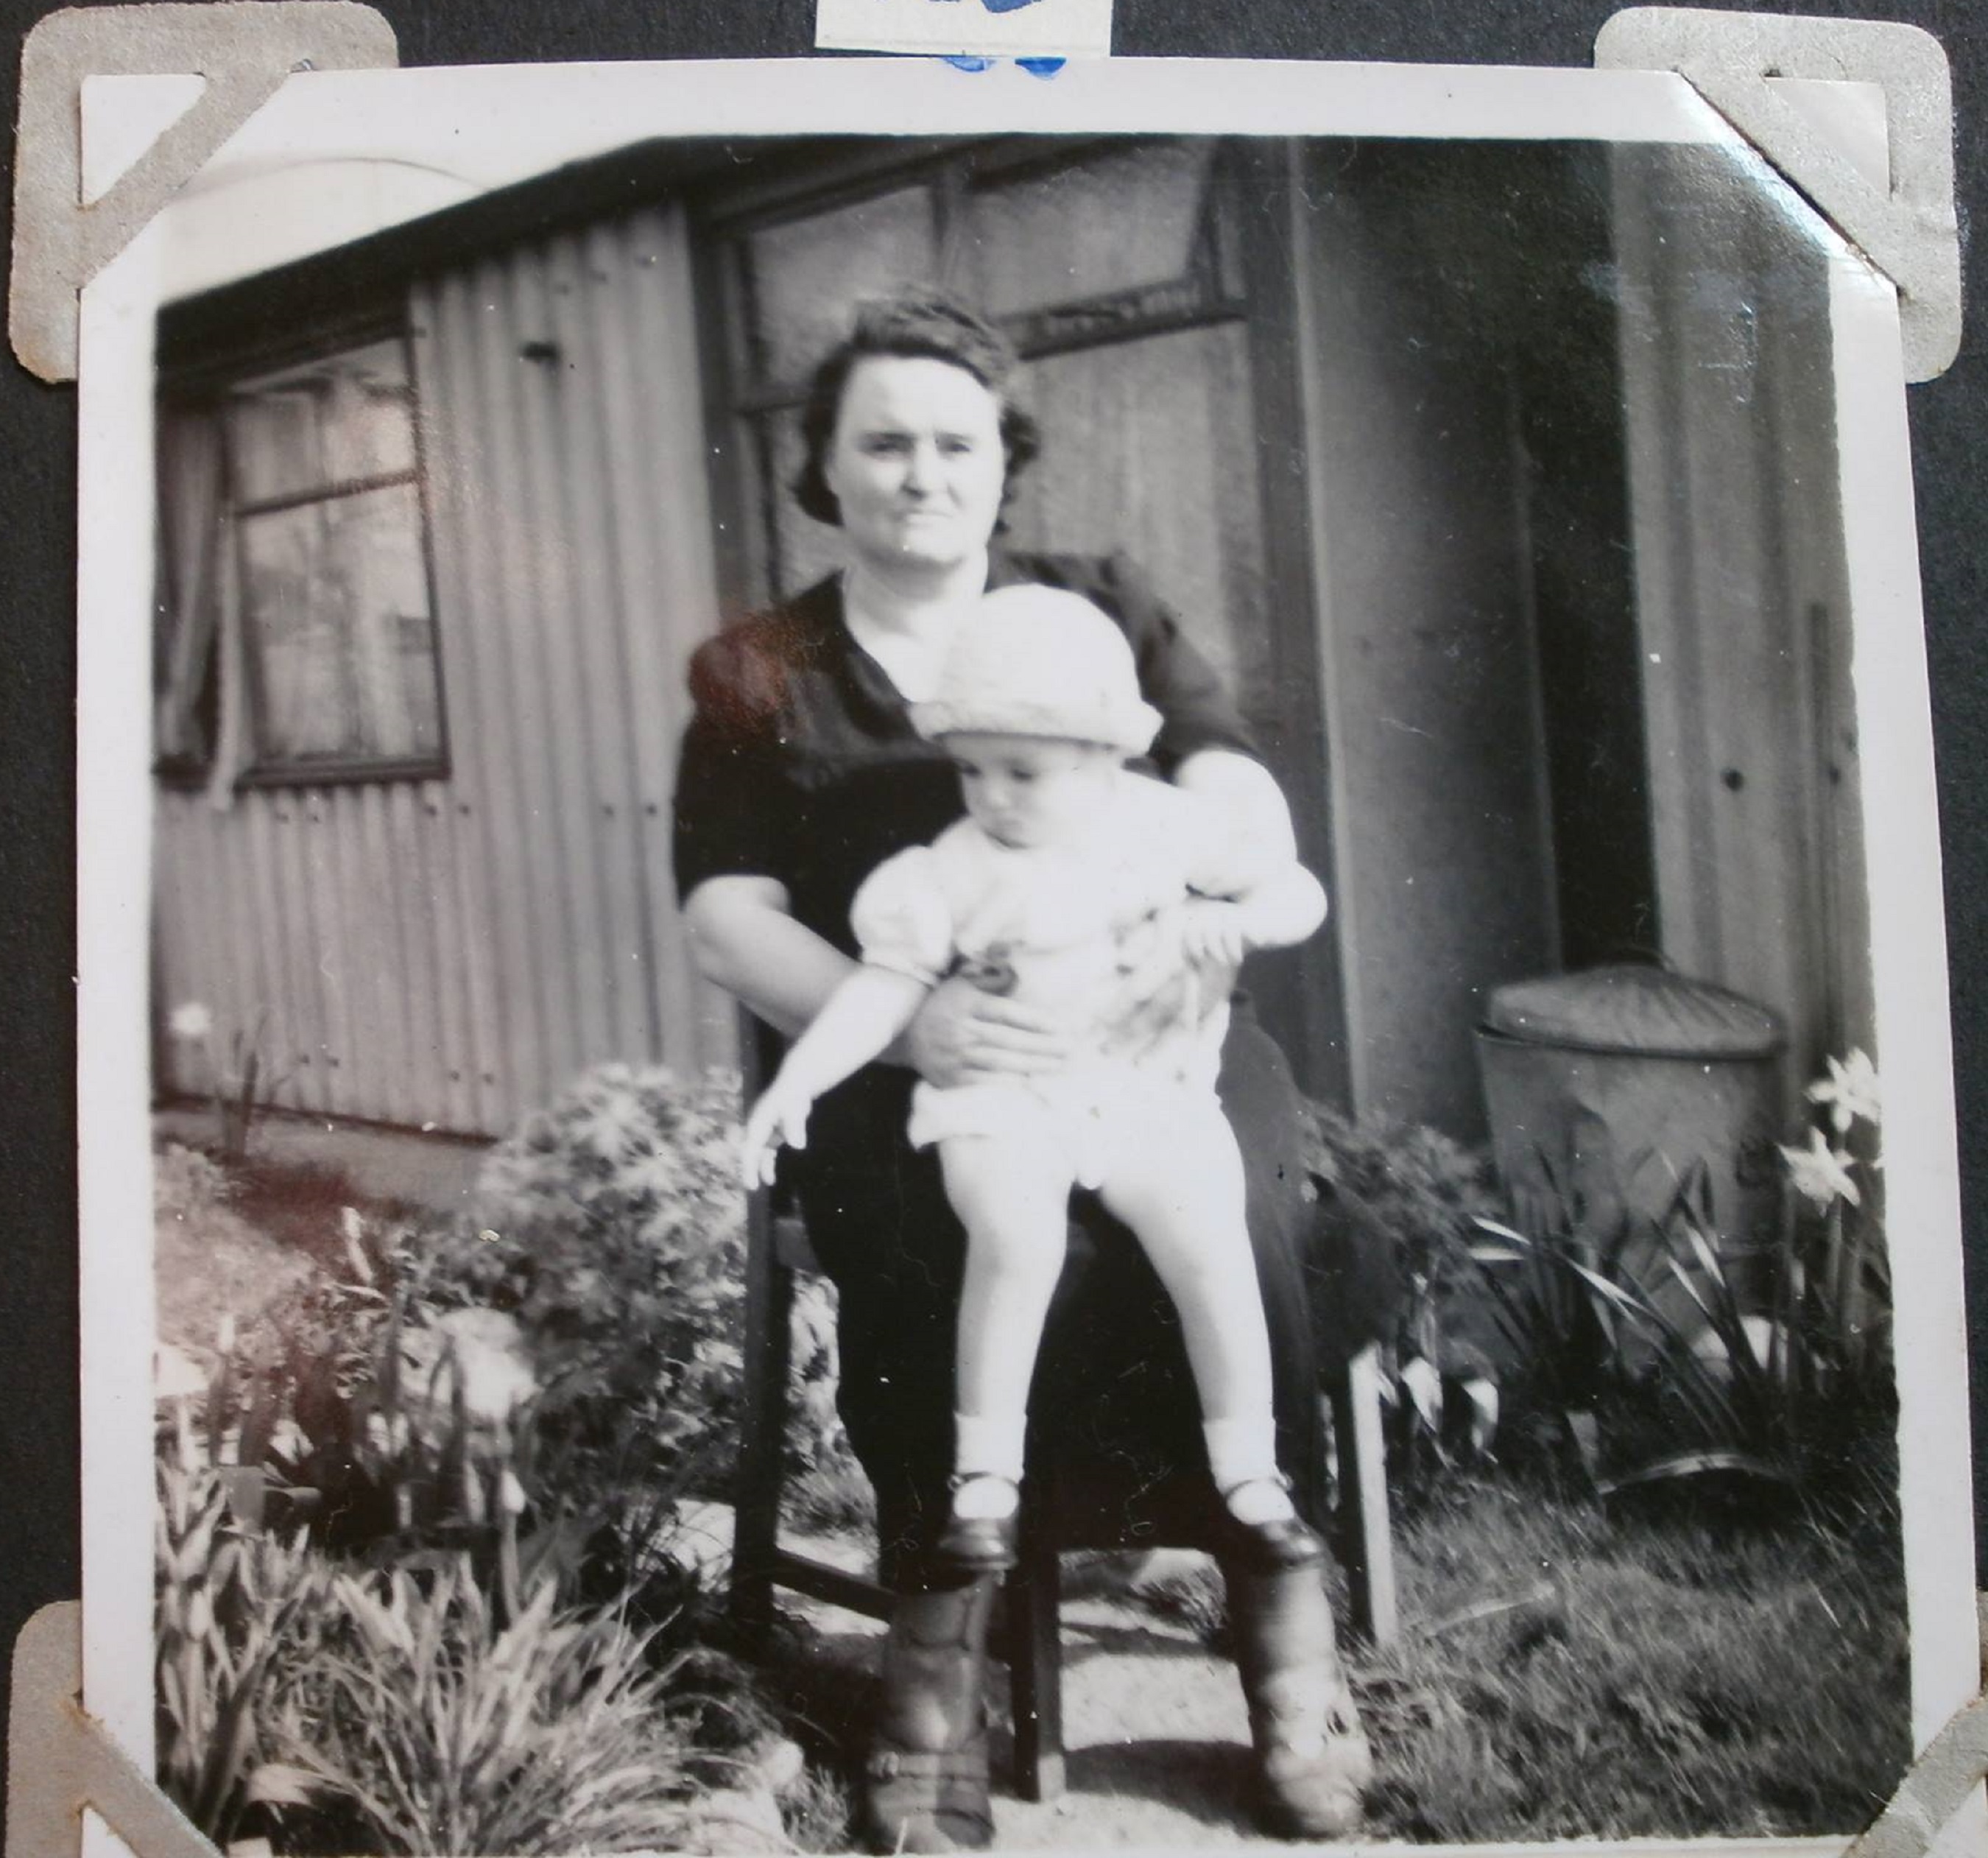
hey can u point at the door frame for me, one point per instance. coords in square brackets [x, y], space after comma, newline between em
[1302, 992]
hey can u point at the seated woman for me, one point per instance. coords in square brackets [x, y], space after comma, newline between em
[802, 771]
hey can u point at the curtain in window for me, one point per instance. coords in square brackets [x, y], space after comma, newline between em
[188, 607]
[196, 634]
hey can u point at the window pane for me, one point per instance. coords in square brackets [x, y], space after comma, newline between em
[806, 276]
[1148, 446]
[804, 550]
[335, 600]
[1110, 224]
[326, 421]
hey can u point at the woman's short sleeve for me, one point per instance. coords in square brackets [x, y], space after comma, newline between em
[901, 919]
[1197, 712]
[731, 812]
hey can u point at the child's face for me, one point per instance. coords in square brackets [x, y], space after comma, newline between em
[1028, 791]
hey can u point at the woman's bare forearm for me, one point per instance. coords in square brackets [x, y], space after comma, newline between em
[745, 940]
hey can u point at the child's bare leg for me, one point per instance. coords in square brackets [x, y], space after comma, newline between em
[1012, 1192]
[1178, 1184]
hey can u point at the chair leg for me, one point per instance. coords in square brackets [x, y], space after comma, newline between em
[769, 1289]
[1363, 1540]
[1034, 1592]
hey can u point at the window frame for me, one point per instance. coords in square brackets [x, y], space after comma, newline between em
[746, 401]
[201, 387]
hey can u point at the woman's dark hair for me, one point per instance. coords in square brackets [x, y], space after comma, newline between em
[917, 324]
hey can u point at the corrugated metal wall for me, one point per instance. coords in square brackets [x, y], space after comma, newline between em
[447, 953]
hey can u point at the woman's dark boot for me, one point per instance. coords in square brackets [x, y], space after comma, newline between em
[1312, 1760]
[924, 1785]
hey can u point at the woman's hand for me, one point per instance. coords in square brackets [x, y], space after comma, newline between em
[780, 1116]
[963, 1035]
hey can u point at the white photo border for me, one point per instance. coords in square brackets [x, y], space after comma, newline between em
[629, 103]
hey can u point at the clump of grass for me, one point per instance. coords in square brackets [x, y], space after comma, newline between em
[1569, 1669]
[818, 1811]
[829, 1499]
[442, 1732]
[231, 1611]
[1564, 1674]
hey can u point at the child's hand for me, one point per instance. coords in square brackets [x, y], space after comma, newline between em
[1214, 933]
[780, 1116]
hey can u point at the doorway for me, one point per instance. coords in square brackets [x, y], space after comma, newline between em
[1123, 272]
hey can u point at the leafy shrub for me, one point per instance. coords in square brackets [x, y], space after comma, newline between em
[1420, 1191]
[612, 1224]
[1423, 1190]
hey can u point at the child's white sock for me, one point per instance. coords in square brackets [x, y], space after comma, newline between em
[988, 1454]
[1242, 1454]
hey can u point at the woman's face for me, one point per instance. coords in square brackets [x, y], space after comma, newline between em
[916, 461]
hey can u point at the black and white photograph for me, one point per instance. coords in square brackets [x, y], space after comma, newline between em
[1009, 960]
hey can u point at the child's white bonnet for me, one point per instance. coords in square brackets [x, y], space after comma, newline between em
[1038, 661]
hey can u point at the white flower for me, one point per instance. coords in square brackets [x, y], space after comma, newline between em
[1821, 1174]
[1850, 1091]
[191, 1021]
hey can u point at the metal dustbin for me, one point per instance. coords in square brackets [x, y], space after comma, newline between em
[1606, 1088]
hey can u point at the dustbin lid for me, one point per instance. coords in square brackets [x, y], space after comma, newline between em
[1634, 1009]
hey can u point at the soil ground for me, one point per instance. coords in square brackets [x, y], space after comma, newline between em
[432, 1172]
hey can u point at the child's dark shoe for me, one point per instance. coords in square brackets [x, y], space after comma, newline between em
[1259, 1528]
[981, 1535]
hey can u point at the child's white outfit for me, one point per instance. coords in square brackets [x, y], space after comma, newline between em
[1063, 928]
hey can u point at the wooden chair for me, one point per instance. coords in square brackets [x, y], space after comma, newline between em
[777, 1250]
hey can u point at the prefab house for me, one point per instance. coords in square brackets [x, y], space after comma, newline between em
[1498, 479]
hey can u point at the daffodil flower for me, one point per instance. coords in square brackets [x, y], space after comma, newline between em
[1850, 1091]
[1821, 1174]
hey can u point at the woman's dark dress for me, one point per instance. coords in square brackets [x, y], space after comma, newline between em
[800, 764]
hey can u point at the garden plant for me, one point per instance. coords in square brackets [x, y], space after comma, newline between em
[421, 1588]
[418, 1583]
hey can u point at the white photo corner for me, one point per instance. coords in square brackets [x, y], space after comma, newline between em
[1509, 464]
